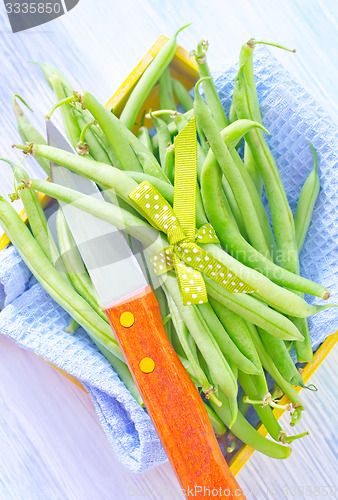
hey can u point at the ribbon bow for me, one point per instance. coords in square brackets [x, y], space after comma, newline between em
[178, 223]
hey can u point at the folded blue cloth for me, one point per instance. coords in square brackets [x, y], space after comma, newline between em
[36, 322]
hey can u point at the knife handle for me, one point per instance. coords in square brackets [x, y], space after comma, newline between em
[172, 400]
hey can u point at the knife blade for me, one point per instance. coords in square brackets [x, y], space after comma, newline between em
[172, 400]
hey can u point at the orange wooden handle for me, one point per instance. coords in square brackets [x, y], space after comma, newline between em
[171, 398]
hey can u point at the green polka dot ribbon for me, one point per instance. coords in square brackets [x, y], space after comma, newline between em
[178, 223]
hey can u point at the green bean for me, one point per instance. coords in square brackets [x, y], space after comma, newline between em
[307, 200]
[252, 169]
[144, 137]
[53, 281]
[182, 95]
[232, 113]
[167, 191]
[216, 422]
[237, 330]
[255, 311]
[246, 60]
[147, 81]
[271, 368]
[255, 388]
[255, 197]
[97, 149]
[189, 348]
[230, 349]
[206, 343]
[70, 125]
[246, 433]
[167, 100]
[74, 265]
[117, 216]
[281, 357]
[172, 126]
[164, 139]
[304, 353]
[148, 161]
[72, 327]
[28, 133]
[276, 296]
[49, 71]
[232, 219]
[35, 214]
[187, 101]
[112, 129]
[281, 216]
[234, 210]
[236, 245]
[169, 163]
[212, 98]
[123, 184]
[230, 171]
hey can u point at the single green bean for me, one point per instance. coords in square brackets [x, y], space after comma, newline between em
[72, 327]
[144, 137]
[230, 349]
[49, 71]
[212, 98]
[182, 95]
[234, 209]
[281, 358]
[164, 139]
[147, 81]
[216, 422]
[28, 133]
[167, 100]
[256, 199]
[238, 332]
[306, 203]
[252, 170]
[71, 127]
[169, 163]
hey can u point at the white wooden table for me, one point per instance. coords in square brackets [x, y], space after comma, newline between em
[51, 443]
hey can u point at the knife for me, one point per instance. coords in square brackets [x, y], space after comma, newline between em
[171, 398]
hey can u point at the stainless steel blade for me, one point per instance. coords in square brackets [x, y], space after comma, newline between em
[112, 266]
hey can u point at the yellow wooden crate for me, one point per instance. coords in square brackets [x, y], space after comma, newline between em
[184, 69]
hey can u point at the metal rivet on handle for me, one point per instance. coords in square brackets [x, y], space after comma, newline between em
[127, 319]
[147, 365]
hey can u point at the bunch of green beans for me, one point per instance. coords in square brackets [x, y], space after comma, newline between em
[233, 338]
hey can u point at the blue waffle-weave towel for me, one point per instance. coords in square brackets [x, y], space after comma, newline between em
[36, 322]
